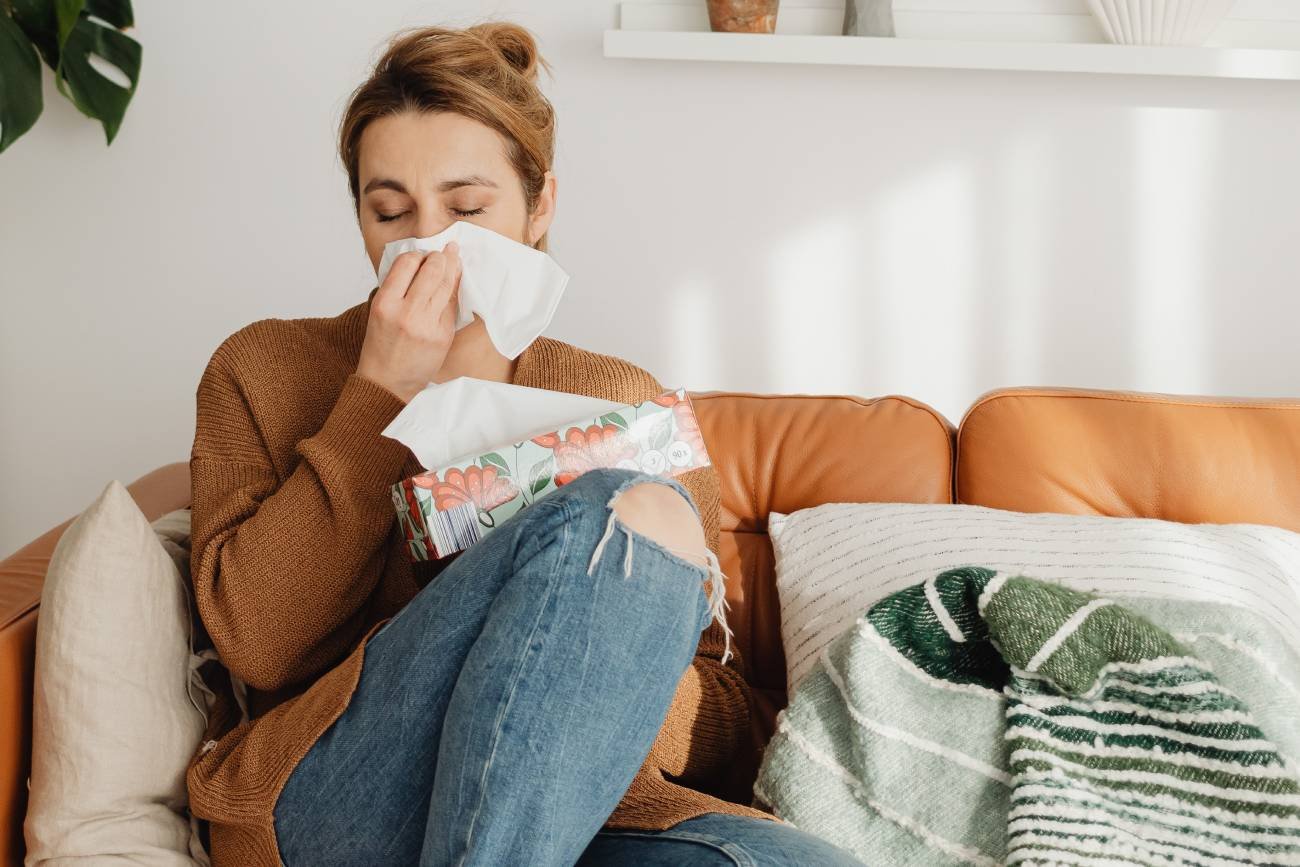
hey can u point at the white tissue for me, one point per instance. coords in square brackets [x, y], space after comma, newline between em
[466, 416]
[514, 288]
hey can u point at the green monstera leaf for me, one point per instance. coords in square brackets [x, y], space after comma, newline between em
[20, 82]
[95, 64]
[90, 89]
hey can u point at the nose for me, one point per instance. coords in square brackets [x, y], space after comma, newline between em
[430, 221]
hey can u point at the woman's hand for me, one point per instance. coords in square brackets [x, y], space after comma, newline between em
[412, 321]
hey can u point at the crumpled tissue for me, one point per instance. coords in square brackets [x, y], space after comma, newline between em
[514, 288]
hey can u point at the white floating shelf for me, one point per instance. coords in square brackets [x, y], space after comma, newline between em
[1255, 63]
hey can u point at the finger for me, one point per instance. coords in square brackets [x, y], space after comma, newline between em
[400, 274]
[426, 280]
[446, 318]
[446, 293]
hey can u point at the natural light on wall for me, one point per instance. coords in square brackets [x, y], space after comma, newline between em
[815, 319]
[1024, 172]
[922, 273]
[1175, 153]
[880, 302]
[695, 326]
[942, 282]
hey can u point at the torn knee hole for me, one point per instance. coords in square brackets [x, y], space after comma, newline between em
[661, 513]
[673, 526]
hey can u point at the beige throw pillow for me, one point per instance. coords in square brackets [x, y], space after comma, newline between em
[115, 720]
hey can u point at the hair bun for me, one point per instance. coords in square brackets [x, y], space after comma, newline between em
[515, 45]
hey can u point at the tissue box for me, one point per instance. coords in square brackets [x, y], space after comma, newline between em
[447, 509]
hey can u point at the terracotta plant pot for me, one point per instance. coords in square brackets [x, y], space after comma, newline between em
[743, 16]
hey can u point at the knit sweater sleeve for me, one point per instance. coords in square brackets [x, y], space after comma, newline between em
[713, 699]
[282, 568]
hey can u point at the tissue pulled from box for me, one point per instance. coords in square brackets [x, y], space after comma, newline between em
[447, 420]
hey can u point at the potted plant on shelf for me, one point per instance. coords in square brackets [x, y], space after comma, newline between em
[743, 16]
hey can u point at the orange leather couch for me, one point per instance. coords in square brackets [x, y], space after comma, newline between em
[1050, 450]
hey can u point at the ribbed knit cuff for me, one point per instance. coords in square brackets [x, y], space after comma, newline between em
[353, 433]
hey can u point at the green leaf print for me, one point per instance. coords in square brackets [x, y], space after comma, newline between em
[614, 419]
[495, 460]
[662, 432]
[540, 475]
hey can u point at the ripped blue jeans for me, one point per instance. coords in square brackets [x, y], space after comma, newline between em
[502, 714]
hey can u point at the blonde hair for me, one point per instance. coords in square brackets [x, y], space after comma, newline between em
[487, 72]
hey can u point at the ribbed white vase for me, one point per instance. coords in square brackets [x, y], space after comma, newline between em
[1160, 22]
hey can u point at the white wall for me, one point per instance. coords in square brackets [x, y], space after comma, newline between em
[773, 228]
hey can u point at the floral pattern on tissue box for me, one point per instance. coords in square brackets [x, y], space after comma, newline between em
[445, 510]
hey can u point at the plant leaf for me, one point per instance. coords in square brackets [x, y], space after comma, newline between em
[662, 432]
[614, 419]
[20, 82]
[39, 20]
[50, 23]
[66, 13]
[494, 459]
[90, 91]
[540, 475]
[115, 12]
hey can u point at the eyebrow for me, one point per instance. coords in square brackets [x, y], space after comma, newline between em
[444, 187]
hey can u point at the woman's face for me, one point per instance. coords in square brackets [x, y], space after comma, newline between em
[419, 172]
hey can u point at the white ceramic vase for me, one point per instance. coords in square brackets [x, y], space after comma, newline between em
[1160, 22]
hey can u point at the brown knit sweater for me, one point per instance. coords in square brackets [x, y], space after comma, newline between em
[297, 560]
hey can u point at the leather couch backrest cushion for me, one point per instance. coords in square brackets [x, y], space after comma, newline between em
[783, 453]
[1178, 458]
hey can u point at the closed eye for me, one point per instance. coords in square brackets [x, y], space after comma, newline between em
[388, 218]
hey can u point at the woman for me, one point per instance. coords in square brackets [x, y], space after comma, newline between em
[543, 702]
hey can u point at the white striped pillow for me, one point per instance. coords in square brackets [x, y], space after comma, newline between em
[834, 561]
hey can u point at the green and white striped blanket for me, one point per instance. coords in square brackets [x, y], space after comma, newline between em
[984, 719]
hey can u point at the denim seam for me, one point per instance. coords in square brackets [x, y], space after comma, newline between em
[727, 847]
[499, 723]
[534, 511]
